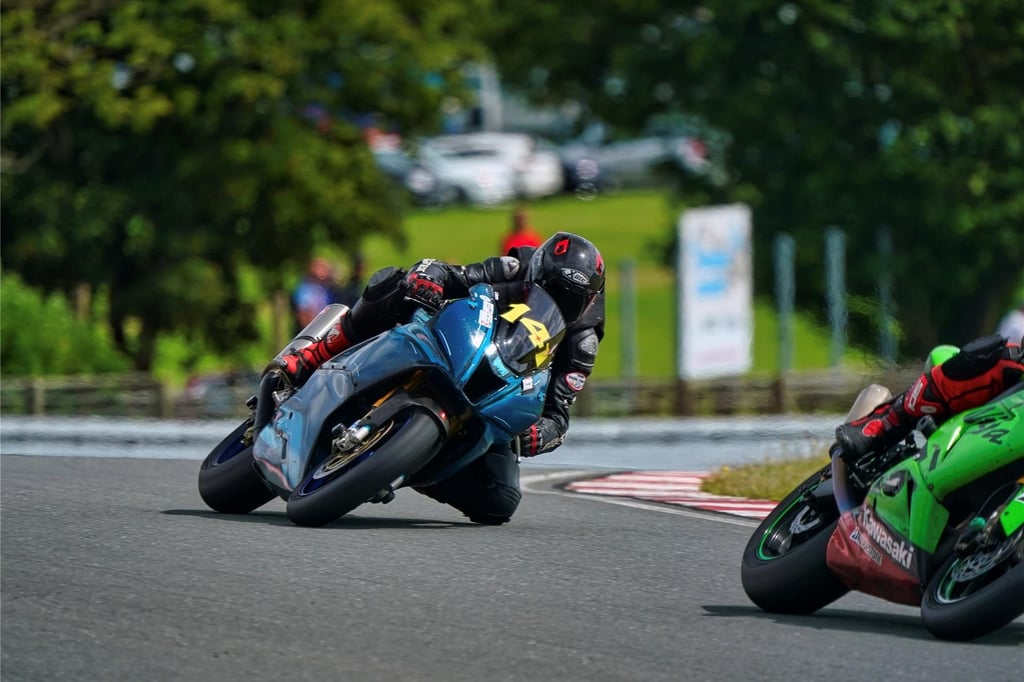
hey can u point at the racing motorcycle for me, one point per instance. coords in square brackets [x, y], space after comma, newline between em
[406, 408]
[935, 521]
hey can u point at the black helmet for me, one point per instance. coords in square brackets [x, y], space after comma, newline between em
[571, 270]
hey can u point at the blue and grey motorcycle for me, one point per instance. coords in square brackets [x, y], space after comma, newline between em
[406, 408]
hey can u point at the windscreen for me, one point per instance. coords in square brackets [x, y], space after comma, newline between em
[529, 331]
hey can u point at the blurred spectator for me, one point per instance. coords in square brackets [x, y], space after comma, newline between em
[521, 234]
[318, 287]
[350, 291]
[1011, 327]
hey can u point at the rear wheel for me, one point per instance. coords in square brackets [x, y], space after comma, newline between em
[390, 455]
[978, 592]
[228, 480]
[784, 569]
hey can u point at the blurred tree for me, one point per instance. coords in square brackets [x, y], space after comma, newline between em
[904, 115]
[160, 150]
[40, 336]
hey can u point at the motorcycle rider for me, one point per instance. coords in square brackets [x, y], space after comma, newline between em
[972, 376]
[568, 267]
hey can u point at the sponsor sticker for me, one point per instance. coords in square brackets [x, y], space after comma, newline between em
[915, 395]
[898, 549]
[868, 548]
[575, 380]
[575, 276]
[486, 316]
[527, 383]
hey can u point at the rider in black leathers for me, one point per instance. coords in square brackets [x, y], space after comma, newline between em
[568, 267]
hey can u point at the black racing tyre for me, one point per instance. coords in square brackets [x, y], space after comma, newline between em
[397, 449]
[973, 595]
[228, 480]
[784, 569]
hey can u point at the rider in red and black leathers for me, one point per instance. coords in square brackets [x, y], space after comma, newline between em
[571, 271]
[980, 371]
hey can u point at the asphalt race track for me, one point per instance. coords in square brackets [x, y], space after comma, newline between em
[112, 569]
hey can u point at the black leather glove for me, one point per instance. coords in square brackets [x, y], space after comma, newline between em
[544, 436]
[425, 283]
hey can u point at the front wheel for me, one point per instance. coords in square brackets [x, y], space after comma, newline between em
[228, 480]
[784, 569]
[976, 593]
[393, 453]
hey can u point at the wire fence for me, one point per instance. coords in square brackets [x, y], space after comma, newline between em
[224, 395]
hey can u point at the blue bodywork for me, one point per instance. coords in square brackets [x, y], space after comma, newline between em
[467, 351]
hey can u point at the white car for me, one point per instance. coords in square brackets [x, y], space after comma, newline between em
[537, 164]
[476, 174]
[486, 165]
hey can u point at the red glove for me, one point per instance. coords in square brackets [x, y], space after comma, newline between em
[425, 284]
[544, 436]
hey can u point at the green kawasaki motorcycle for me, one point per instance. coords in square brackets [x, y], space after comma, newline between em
[936, 520]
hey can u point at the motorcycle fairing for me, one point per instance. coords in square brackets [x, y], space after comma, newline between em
[1012, 517]
[869, 556]
[974, 443]
[453, 343]
[283, 447]
[506, 391]
[965, 449]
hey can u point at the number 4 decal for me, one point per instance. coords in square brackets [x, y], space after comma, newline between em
[538, 333]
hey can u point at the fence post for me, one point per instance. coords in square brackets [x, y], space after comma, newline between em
[36, 397]
[684, 398]
[165, 400]
[835, 263]
[886, 315]
[785, 295]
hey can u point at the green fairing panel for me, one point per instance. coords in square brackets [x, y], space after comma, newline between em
[986, 438]
[1012, 517]
[909, 496]
[902, 499]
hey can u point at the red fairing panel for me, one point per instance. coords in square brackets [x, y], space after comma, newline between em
[870, 557]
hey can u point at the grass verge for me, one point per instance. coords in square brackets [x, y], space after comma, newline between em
[765, 480]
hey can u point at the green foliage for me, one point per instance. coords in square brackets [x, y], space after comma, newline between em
[40, 336]
[158, 150]
[628, 227]
[901, 115]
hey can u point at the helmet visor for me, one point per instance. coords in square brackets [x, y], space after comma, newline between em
[572, 303]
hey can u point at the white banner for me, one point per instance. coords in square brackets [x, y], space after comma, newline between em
[716, 317]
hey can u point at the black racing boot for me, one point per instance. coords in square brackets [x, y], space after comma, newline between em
[887, 424]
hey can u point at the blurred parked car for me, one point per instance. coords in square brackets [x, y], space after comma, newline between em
[492, 167]
[634, 162]
[477, 173]
[536, 162]
[424, 188]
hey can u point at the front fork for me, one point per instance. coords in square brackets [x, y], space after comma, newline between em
[1004, 521]
[351, 437]
[349, 441]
